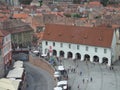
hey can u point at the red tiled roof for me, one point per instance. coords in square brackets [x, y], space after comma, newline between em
[93, 36]
[95, 3]
[20, 16]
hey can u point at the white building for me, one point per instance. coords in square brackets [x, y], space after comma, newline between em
[95, 44]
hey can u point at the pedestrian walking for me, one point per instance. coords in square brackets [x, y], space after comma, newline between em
[110, 68]
[74, 70]
[80, 73]
[78, 87]
[91, 79]
[83, 80]
[77, 65]
[68, 70]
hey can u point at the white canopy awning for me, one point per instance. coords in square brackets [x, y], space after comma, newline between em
[16, 73]
[8, 84]
[18, 64]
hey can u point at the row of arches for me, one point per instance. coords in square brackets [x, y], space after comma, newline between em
[78, 56]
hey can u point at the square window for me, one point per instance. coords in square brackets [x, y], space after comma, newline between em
[105, 50]
[46, 43]
[77, 47]
[95, 49]
[69, 45]
[86, 48]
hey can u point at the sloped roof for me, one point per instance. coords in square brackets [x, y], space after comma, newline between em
[93, 36]
[20, 15]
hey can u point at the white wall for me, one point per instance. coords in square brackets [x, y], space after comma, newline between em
[113, 48]
[82, 50]
[117, 44]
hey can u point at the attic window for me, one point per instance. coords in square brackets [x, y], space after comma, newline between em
[48, 33]
[73, 36]
[85, 37]
[100, 38]
[59, 34]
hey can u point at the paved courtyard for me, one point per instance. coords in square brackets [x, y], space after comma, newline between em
[102, 77]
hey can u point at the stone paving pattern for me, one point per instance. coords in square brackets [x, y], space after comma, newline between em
[102, 77]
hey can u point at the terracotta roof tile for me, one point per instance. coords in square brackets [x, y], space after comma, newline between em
[20, 16]
[95, 3]
[93, 36]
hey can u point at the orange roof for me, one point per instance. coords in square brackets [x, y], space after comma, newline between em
[20, 16]
[83, 19]
[93, 36]
[96, 3]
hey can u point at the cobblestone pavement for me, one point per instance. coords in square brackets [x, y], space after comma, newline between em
[102, 77]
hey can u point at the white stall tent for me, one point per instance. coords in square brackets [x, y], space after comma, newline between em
[8, 84]
[18, 64]
[61, 68]
[16, 73]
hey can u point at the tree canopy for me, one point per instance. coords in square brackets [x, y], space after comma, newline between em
[25, 1]
[104, 2]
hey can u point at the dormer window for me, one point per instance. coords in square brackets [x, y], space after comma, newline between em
[72, 36]
[48, 33]
[59, 34]
[100, 38]
[85, 36]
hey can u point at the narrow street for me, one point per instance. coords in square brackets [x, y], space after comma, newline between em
[37, 78]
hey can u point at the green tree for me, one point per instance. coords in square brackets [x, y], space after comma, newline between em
[76, 1]
[104, 2]
[25, 1]
[40, 2]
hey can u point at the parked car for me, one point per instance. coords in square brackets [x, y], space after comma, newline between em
[57, 75]
[36, 52]
[63, 84]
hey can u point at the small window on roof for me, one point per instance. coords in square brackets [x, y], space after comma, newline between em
[48, 33]
[100, 38]
[59, 34]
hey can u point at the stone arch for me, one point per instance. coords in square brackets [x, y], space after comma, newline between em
[62, 53]
[77, 56]
[105, 60]
[87, 57]
[69, 55]
[95, 58]
[54, 53]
